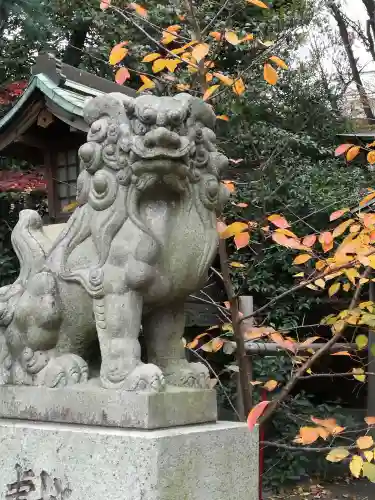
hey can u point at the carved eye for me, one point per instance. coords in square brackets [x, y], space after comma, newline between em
[148, 116]
[139, 128]
[174, 118]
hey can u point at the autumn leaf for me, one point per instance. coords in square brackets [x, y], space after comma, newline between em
[369, 455]
[118, 53]
[270, 74]
[309, 240]
[341, 228]
[151, 57]
[278, 221]
[147, 83]
[284, 241]
[242, 240]
[258, 3]
[358, 374]
[239, 87]
[341, 353]
[256, 413]
[308, 342]
[141, 11]
[232, 38]
[224, 118]
[229, 185]
[247, 38]
[356, 465]
[200, 51]
[224, 79]
[174, 28]
[367, 198]
[308, 435]
[237, 264]
[234, 229]
[343, 148]
[182, 87]
[70, 207]
[279, 62]
[370, 420]
[168, 38]
[284, 343]
[270, 385]
[210, 91]
[337, 455]
[365, 442]
[338, 214]
[369, 471]
[105, 4]
[171, 64]
[361, 341]
[333, 289]
[216, 35]
[122, 75]
[301, 259]
[352, 153]
[371, 157]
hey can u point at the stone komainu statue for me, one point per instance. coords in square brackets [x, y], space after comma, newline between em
[141, 240]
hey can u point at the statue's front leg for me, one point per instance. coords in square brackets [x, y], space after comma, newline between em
[118, 321]
[163, 330]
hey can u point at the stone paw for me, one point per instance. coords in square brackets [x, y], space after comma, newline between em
[192, 375]
[62, 371]
[144, 377]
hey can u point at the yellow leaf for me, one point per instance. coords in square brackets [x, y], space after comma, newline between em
[158, 65]
[141, 11]
[209, 77]
[279, 62]
[341, 228]
[151, 57]
[338, 326]
[70, 207]
[171, 64]
[371, 157]
[355, 466]
[301, 259]
[232, 38]
[147, 83]
[173, 28]
[239, 86]
[334, 289]
[168, 38]
[118, 53]
[200, 51]
[321, 283]
[224, 79]
[270, 74]
[236, 264]
[365, 442]
[258, 3]
[270, 385]
[358, 374]
[182, 87]
[369, 455]
[210, 91]
[233, 230]
[367, 198]
[352, 153]
[287, 233]
[337, 455]
[361, 341]
[223, 117]
[369, 471]
[346, 287]
[352, 274]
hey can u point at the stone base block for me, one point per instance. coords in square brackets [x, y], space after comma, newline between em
[71, 462]
[91, 405]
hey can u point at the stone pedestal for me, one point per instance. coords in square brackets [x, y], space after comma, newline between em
[73, 462]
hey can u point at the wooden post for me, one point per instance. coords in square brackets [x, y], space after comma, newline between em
[246, 306]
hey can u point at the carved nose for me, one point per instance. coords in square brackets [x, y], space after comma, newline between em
[162, 138]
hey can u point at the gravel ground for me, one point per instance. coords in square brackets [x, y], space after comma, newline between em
[349, 490]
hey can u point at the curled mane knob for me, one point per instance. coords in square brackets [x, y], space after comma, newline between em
[103, 190]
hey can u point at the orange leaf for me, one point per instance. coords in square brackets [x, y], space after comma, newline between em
[210, 91]
[242, 240]
[141, 11]
[256, 413]
[279, 221]
[341, 228]
[308, 435]
[270, 74]
[285, 344]
[341, 353]
[200, 51]
[224, 79]
[270, 385]
[352, 153]
[232, 38]
[370, 420]
[118, 53]
[301, 259]
[308, 342]
[168, 38]
[239, 87]
[367, 198]
[229, 185]
[122, 75]
[338, 214]
[343, 148]
[234, 229]
[279, 62]
[242, 205]
[371, 157]
[365, 442]
[216, 35]
[247, 38]
[309, 240]
[183, 87]
[284, 241]
[151, 57]
[258, 3]
[223, 117]
[105, 4]
[173, 28]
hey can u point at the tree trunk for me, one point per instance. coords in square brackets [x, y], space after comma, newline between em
[74, 51]
[353, 63]
[4, 16]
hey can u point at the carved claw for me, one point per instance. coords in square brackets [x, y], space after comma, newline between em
[145, 377]
[192, 375]
[62, 371]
